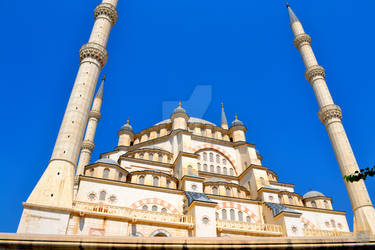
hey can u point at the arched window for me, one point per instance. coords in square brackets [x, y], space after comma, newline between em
[240, 216]
[212, 168]
[214, 190]
[204, 156]
[156, 181]
[290, 200]
[248, 219]
[160, 157]
[333, 223]
[231, 171]
[232, 216]
[211, 157]
[205, 167]
[106, 173]
[168, 183]
[224, 214]
[141, 180]
[326, 205]
[225, 171]
[141, 156]
[224, 162]
[164, 210]
[92, 172]
[102, 195]
[199, 167]
[217, 158]
[145, 207]
[261, 180]
[150, 157]
[218, 169]
[190, 170]
[154, 208]
[313, 204]
[119, 176]
[217, 216]
[199, 157]
[228, 192]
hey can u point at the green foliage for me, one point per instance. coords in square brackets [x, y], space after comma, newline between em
[360, 175]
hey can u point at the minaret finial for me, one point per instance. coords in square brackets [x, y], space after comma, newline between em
[235, 116]
[224, 122]
[292, 17]
[127, 121]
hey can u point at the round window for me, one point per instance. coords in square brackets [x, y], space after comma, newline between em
[205, 220]
[92, 196]
[194, 187]
[294, 229]
[270, 198]
[112, 198]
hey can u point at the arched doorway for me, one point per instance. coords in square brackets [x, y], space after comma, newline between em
[160, 233]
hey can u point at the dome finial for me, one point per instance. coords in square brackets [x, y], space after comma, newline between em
[127, 121]
[235, 116]
[179, 103]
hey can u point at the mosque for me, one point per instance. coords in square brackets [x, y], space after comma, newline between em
[184, 176]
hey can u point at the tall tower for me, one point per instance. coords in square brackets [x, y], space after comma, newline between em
[55, 187]
[330, 115]
[88, 142]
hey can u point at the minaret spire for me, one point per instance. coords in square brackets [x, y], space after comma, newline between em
[99, 94]
[224, 122]
[55, 187]
[292, 17]
[330, 115]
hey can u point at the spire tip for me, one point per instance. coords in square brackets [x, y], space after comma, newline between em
[287, 4]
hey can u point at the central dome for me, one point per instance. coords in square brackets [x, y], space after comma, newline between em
[191, 120]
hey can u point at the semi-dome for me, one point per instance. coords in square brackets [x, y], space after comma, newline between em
[236, 122]
[107, 161]
[312, 194]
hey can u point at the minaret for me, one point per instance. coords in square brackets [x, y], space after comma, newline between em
[330, 115]
[55, 187]
[88, 142]
[224, 123]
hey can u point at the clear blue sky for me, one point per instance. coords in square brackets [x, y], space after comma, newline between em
[160, 51]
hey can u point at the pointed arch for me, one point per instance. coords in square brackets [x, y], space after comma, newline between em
[160, 233]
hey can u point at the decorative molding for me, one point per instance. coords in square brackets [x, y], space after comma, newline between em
[95, 51]
[328, 112]
[314, 71]
[301, 40]
[108, 10]
[95, 114]
[89, 145]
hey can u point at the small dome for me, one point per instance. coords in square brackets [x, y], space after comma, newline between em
[107, 161]
[312, 194]
[179, 109]
[236, 122]
[127, 127]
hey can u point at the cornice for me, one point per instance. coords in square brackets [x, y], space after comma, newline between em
[281, 184]
[234, 199]
[319, 210]
[155, 163]
[252, 166]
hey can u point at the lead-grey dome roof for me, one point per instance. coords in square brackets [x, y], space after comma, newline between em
[191, 120]
[312, 194]
[107, 161]
[236, 122]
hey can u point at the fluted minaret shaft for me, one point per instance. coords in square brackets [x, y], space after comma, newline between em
[88, 144]
[330, 115]
[55, 188]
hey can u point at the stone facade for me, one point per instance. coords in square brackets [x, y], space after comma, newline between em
[182, 177]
